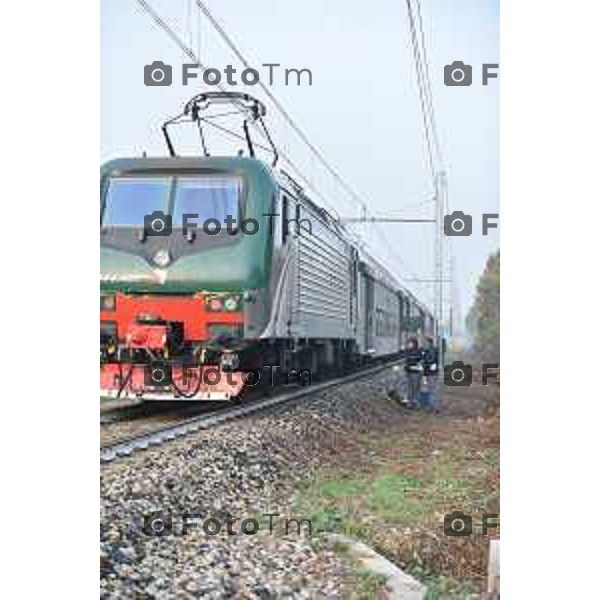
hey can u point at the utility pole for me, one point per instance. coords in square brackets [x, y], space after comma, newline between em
[441, 190]
[453, 299]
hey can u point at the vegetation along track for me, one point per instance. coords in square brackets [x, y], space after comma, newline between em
[151, 436]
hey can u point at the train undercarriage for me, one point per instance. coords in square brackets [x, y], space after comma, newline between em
[154, 361]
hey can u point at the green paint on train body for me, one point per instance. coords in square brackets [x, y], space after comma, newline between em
[242, 262]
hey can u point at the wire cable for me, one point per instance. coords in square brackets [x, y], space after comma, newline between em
[422, 88]
[281, 108]
[429, 93]
[160, 22]
[363, 205]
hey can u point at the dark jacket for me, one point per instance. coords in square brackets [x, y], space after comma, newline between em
[412, 360]
[431, 362]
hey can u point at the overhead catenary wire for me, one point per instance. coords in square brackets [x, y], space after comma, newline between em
[160, 22]
[168, 30]
[427, 80]
[192, 56]
[316, 152]
[424, 88]
[288, 118]
[188, 21]
[434, 153]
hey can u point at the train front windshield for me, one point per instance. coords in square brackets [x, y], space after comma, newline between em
[131, 198]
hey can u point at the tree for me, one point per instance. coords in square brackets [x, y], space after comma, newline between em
[484, 317]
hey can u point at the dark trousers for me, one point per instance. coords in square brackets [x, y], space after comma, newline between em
[413, 386]
[434, 395]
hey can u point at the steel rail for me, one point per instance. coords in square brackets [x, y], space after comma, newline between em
[143, 441]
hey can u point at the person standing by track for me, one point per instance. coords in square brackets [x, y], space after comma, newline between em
[431, 369]
[413, 369]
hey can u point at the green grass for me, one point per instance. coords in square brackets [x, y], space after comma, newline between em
[345, 505]
[341, 504]
[441, 587]
[367, 585]
[491, 457]
[411, 484]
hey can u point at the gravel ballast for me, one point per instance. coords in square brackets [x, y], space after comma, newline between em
[239, 470]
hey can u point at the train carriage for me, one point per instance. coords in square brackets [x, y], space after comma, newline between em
[215, 268]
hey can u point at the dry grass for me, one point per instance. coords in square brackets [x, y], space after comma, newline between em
[395, 493]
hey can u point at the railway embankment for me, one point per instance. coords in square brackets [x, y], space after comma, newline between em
[346, 461]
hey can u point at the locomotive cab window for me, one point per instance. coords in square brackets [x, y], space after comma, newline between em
[130, 198]
[208, 197]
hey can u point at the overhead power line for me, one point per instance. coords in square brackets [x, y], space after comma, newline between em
[384, 220]
[167, 29]
[424, 88]
[316, 152]
[434, 153]
[427, 78]
[162, 24]
[281, 108]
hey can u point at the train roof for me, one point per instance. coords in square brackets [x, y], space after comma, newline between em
[184, 163]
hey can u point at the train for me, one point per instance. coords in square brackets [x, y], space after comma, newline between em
[220, 273]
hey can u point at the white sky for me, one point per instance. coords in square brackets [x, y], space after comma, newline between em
[362, 110]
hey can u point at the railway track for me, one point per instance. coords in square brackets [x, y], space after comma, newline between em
[158, 436]
[153, 410]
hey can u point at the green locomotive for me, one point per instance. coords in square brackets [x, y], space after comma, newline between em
[215, 268]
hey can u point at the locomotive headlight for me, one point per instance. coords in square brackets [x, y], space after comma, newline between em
[219, 303]
[231, 303]
[215, 304]
[111, 347]
[162, 258]
[107, 303]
